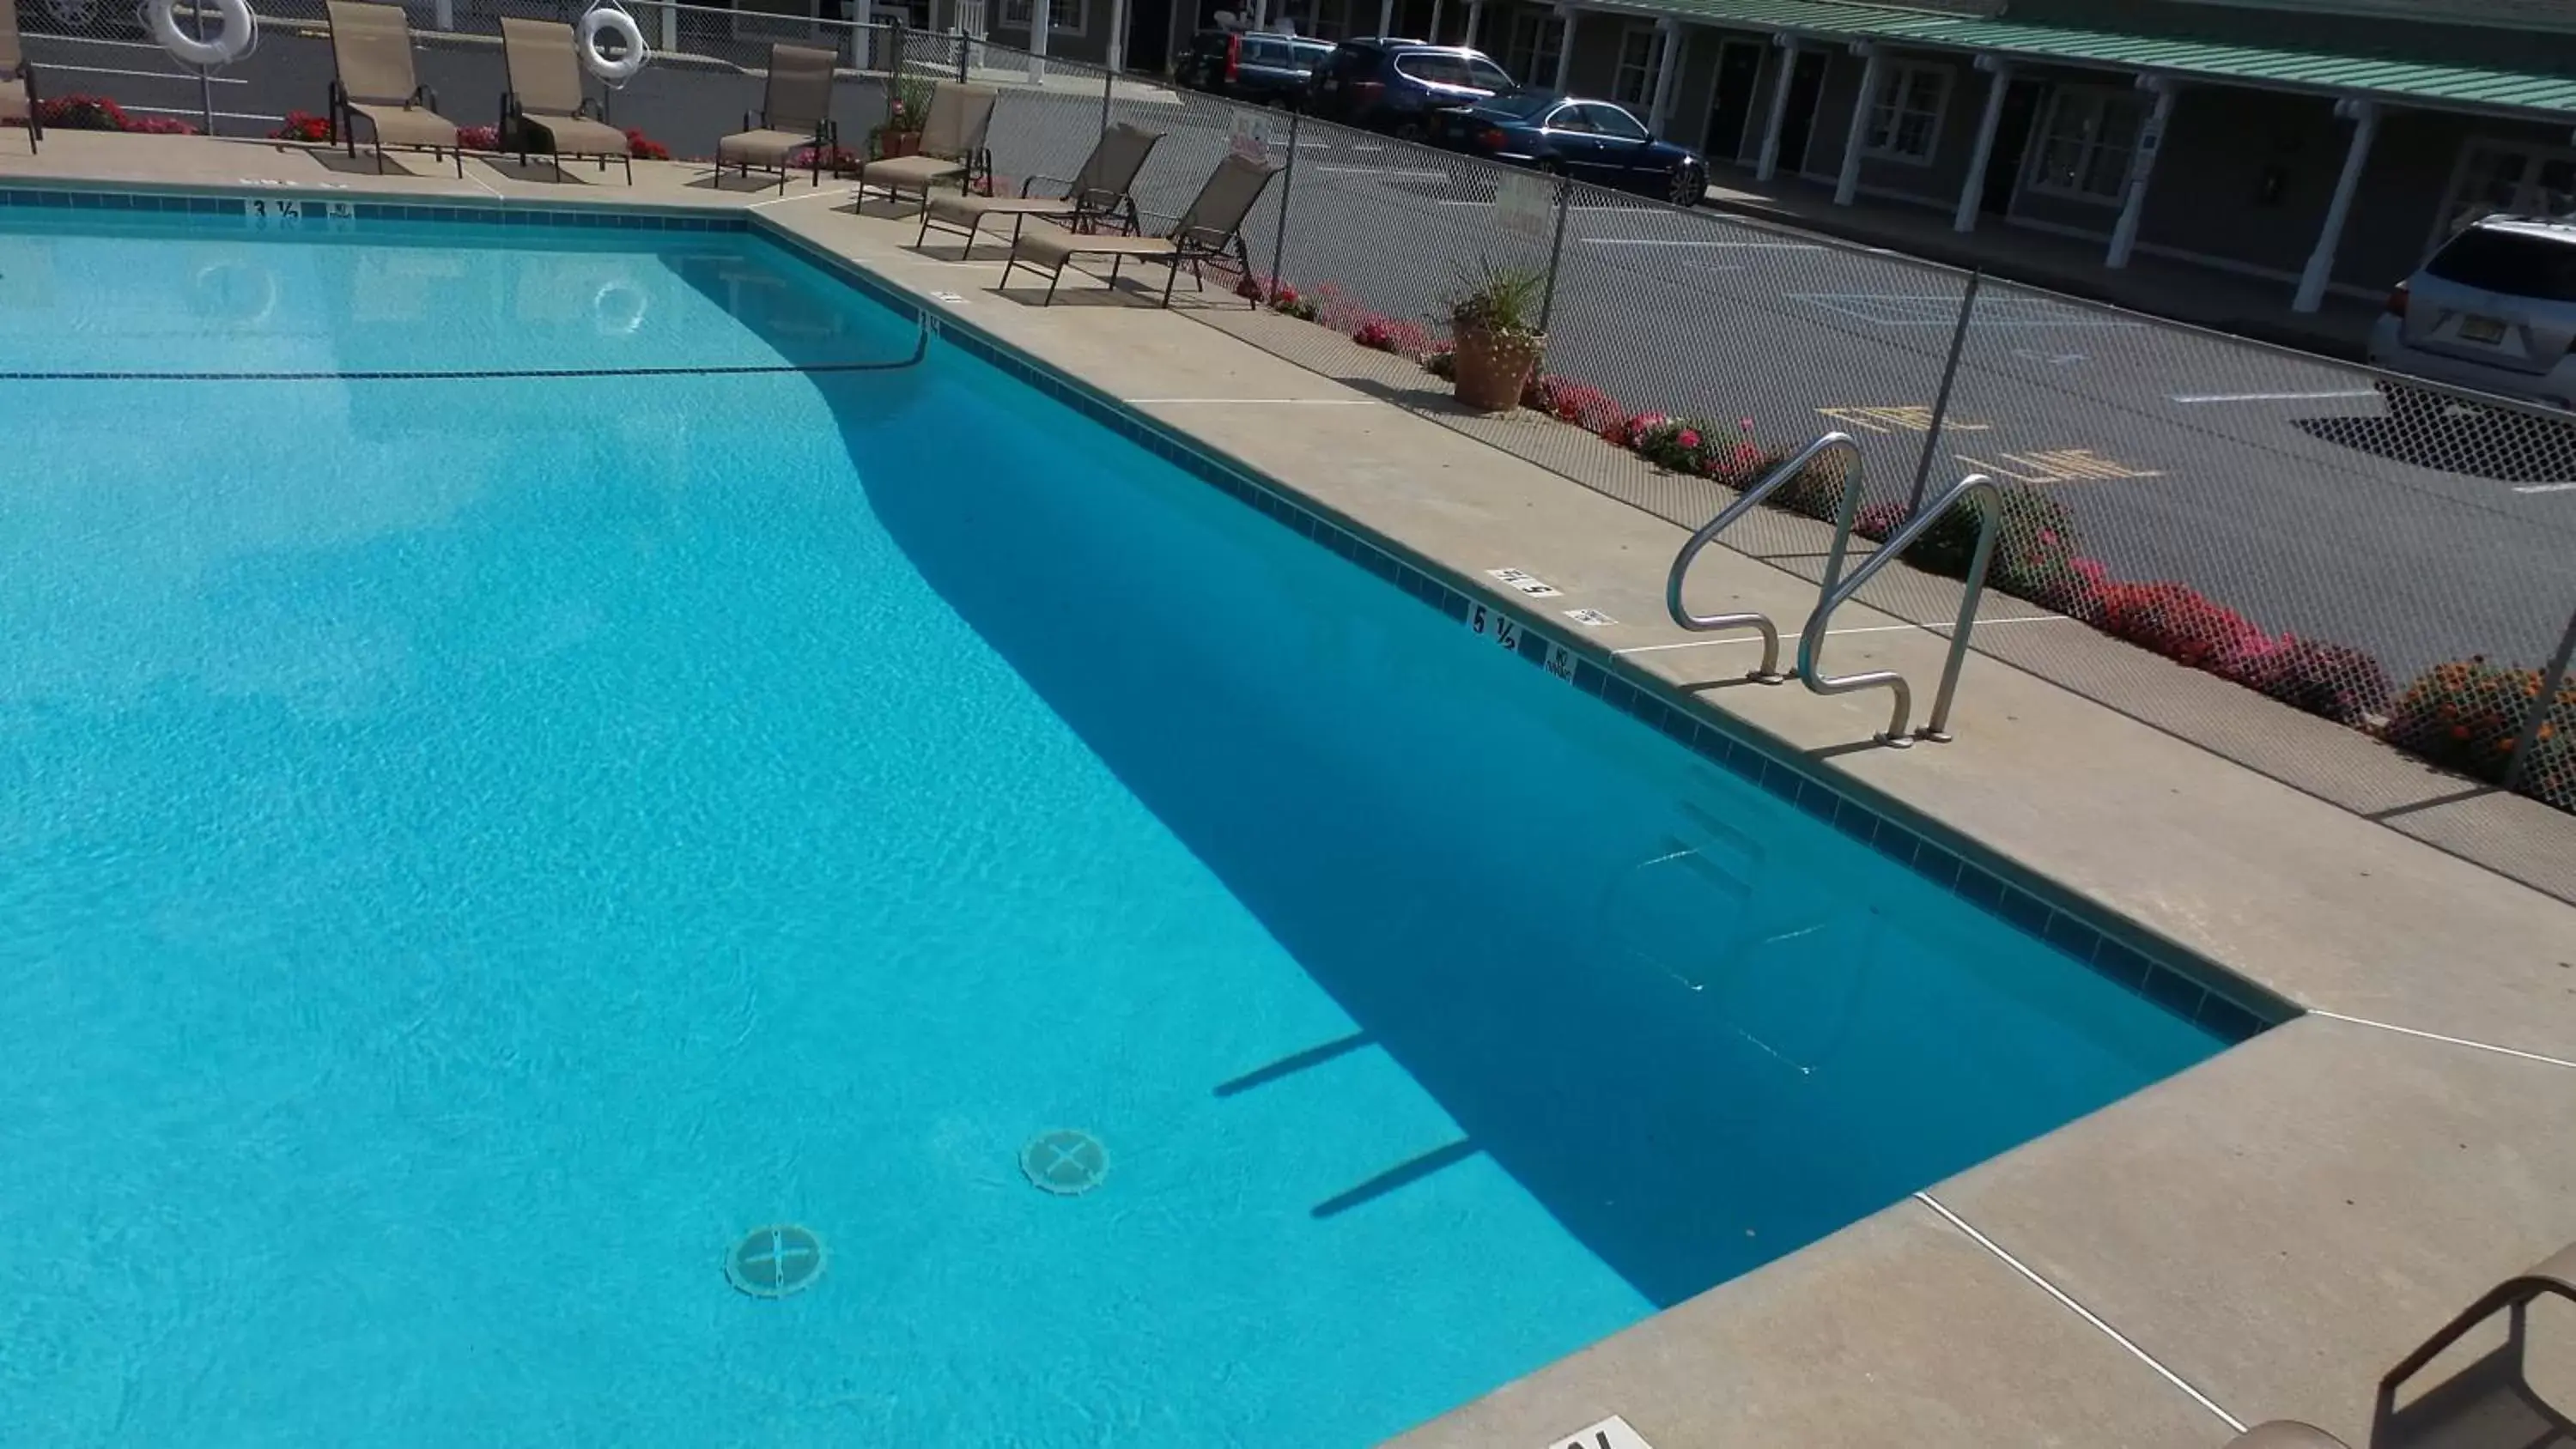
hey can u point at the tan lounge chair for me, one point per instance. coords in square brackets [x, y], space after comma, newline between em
[371, 50]
[952, 148]
[18, 79]
[2489, 1400]
[544, 110]
[1210, 231]
[795, 112]
[1095, 194]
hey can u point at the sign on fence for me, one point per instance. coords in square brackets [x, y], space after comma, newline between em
[1525, 202]
[1253, 136]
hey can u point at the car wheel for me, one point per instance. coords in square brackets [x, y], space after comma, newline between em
[1688, 187]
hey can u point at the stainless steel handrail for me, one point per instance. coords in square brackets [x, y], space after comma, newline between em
[1745, 503]
[1838, 590]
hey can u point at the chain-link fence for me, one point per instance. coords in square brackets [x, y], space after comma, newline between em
[2187, 516]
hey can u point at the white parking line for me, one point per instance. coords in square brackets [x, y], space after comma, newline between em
[2548, 488]
[1385, 171]
[2230, 397]
[221, 80]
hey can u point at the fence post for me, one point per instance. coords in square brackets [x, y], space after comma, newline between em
[1287, 189]
[894, 66]
[1555, 251]
[1108, 83]
[1941, 400]
[2550, 680]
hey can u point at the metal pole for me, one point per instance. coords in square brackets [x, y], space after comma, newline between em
[205, 74]
[1108, 83]
[2550, 681]
[894, 66]
[1287, 189]
[1941, 401]
[1556, 250]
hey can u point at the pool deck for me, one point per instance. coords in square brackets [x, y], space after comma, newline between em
[2261, 1236]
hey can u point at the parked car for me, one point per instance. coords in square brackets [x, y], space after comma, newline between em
[1270, 69]
[1591, 141]
[1396, 85]
[2493, 310]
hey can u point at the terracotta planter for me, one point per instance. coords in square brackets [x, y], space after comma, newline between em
[891, 144]
[1492, 368]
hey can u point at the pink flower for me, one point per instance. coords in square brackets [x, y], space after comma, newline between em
[1746, 455]
[1745, 425]
[1689, 438]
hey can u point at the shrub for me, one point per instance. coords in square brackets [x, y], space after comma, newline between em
[1816, 492]
[2466, 714]
[479, 138]
[1284, 300]
[2178, 622]
[1568, 401]
[83, 113]
[1699, 447]
[645, 148]
[2335, 681]
[1441, 362]
[838, 160]
[1386, 334]
[303, 126]
[160, 126]
[2034, 543]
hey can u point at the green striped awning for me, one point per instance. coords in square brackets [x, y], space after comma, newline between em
[2327, 72]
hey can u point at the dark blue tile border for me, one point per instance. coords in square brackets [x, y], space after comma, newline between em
[2228, 1008]
[499, 214]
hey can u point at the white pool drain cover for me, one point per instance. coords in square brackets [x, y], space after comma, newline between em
[773, 1262]
[1065, 1162]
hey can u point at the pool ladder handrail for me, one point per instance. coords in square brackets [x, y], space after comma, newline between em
[1839, 590]
[1750, 499]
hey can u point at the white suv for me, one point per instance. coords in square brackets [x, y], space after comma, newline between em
[2494, 310]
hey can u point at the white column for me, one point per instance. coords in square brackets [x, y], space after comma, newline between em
[1972, 192]
[1565, 49]
[441, 14]
[2356, 158]
[1433, 34]
[1769, 165]
[2142, 166]
[1847, 185]
[670, 26]
[1668, 64]
[1041, 21]
[1475, 13]
[1386, 17]
[1117, 35]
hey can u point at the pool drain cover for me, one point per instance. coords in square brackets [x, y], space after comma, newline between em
[773, 1262]
[1065, 1162]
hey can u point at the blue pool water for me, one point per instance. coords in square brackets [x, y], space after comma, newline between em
[471, 850]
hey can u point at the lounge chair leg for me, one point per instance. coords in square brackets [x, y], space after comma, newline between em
[1051, 281]
[1169, 283]
[1114, 260]
[1009, 262]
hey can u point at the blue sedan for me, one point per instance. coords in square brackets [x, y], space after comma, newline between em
[1591, 141]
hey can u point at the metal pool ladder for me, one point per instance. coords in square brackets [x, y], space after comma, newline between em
[1751, 499]
[1838, 590]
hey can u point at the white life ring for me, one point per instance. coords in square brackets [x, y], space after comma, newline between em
[618, 308]
[630, 43]
[240, 31]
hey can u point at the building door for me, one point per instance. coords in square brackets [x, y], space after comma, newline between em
[1149, 35]
[1730, 100]
[1798, 123]
[2012, 143]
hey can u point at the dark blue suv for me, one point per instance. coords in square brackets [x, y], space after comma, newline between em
[1591, 141]
[1397, 85]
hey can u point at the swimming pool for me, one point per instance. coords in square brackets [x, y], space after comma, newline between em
[476, 848]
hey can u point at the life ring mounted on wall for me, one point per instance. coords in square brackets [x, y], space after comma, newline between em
[237, 31]
[609, 21]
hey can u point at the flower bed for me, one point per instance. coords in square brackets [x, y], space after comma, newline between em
[2464, 715]
[98, 113]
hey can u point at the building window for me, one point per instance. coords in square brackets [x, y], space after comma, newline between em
[1641, 54]
[1905, 122]
[2086, 139]
[1537, 37]
[2499, 176]
[1064, 17]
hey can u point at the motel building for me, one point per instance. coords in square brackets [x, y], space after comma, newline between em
[2320, 147]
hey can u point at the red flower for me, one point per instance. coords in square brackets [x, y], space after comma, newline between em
[1689, 438]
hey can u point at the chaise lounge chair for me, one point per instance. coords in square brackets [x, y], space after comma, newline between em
[795, 113]
[1210, 231]
[18, 96]
[1097, 193]
[2486, 1401]
[544, 110]
[371, 50]
[952, 148]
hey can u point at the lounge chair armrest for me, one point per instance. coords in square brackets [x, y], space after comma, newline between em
[590, 110]
[1028, 187]
[2553, 1274]
[422, 97]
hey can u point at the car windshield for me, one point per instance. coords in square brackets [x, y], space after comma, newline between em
[1525, 106]
[1310, 52]
[2518, 263]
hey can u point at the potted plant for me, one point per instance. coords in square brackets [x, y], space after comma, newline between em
[1494, 336]
[909, 107]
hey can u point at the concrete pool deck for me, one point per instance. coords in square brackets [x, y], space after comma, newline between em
[2262, 1236]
